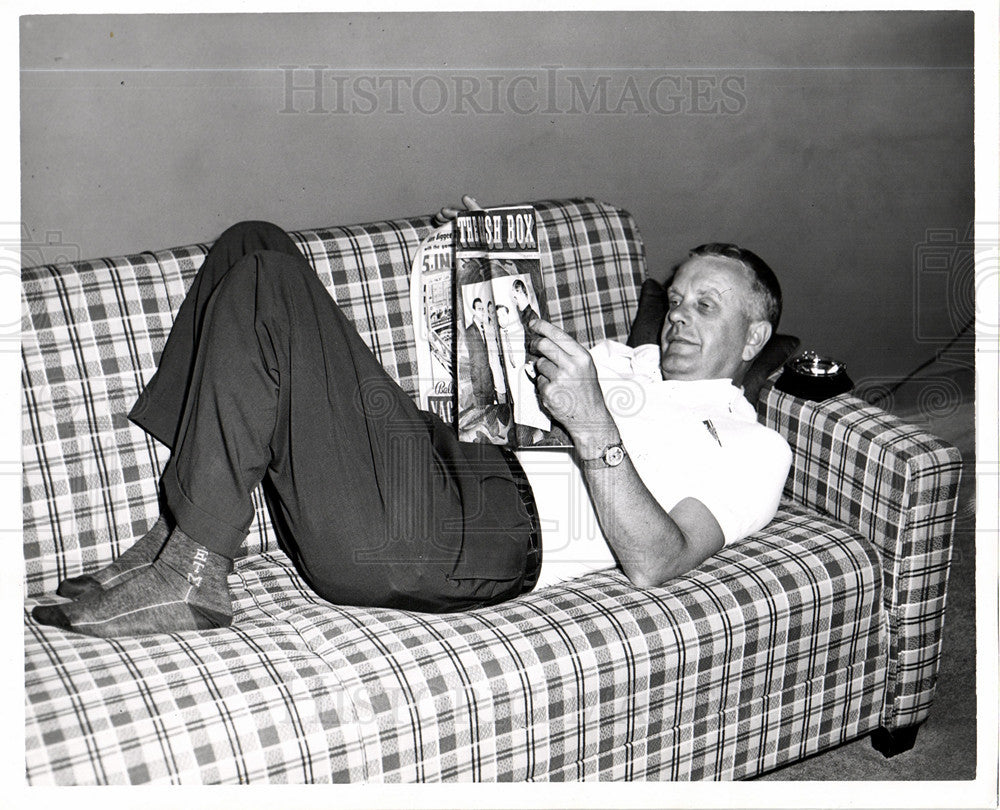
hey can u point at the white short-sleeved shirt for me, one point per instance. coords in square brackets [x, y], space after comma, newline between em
[687, 439]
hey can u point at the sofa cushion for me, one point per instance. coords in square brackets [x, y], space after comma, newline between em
[93, 332]
[770, 651]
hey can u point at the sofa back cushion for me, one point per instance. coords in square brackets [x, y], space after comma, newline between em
[92, 332]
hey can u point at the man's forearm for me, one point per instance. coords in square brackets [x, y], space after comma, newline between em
[649, 545]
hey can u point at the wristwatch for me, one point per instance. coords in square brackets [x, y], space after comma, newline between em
[613, 455]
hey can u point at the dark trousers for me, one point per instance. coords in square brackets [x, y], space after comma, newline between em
[263, 378]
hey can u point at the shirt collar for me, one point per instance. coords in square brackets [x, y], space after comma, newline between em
[718, 392]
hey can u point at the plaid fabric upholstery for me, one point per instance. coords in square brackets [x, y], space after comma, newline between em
[93, 332]
[898, 486]
[771, 651]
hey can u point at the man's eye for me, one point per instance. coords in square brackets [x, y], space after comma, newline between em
[705, 305]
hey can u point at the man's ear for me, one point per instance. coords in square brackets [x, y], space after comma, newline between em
[758, 334]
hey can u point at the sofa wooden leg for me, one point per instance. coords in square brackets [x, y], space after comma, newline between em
[889, 743]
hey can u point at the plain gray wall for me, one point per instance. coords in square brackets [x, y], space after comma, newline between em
[829, 143]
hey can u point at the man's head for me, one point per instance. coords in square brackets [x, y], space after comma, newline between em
[503, 315]
[724, 304]
[519, 293]
[490, 309]
[478, 310]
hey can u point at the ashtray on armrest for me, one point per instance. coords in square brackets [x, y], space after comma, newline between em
[811, 376]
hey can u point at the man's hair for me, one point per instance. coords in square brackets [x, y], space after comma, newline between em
[519, 286]
[501, 306]
[764, 287]
[476, 301]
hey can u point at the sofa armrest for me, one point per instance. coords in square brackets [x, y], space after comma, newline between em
[896, 485]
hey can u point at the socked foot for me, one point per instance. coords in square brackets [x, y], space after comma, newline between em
[130, 562]
[184, 589]
[78, 587]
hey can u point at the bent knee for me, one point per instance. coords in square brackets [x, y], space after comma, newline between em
[253, 228]
[251, 236]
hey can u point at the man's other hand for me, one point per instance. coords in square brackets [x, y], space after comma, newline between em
[448, 214]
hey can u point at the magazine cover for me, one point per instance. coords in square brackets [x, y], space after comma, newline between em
[498, 291]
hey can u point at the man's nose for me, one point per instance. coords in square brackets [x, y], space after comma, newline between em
[677, 314]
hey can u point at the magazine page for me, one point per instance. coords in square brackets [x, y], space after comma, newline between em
[431, 302]
[498, 291]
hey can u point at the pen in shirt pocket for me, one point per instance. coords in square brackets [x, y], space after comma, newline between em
[711, 429]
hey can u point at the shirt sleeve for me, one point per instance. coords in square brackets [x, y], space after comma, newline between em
[743, 486]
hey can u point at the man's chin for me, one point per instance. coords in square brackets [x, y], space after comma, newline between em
[677, 371]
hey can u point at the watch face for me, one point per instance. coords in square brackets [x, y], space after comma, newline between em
[614, 455]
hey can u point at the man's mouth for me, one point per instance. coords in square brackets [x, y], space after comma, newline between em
[678, 339]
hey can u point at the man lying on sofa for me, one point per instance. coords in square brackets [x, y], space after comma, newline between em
[263, 378]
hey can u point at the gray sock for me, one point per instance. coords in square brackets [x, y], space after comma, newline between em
[129, 562]
[184, 589]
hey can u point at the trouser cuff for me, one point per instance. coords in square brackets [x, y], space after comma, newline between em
[196, 523]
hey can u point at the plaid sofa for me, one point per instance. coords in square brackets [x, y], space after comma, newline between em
[823, 627]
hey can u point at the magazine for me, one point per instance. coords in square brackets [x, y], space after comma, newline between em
[475, 286]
